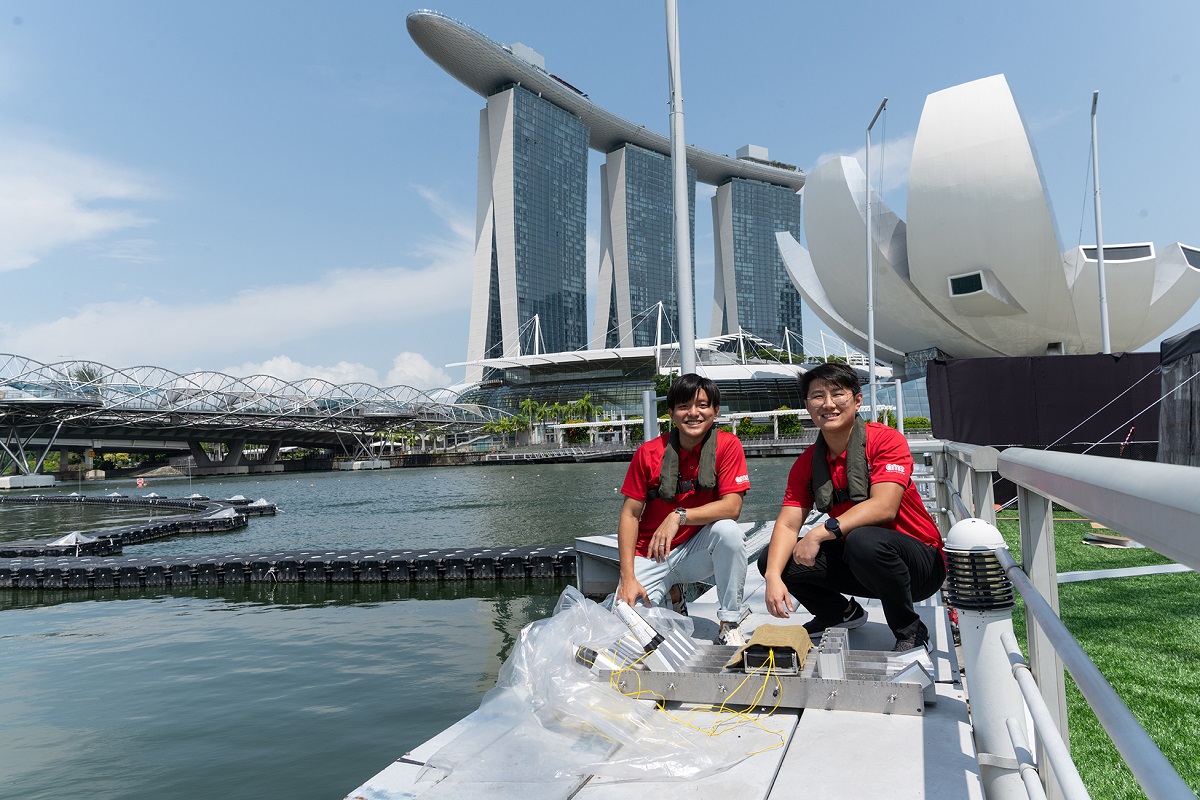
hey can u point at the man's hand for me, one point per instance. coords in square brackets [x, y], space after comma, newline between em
[779, 602]
[806, 549]
[660, 543]
[631, 590]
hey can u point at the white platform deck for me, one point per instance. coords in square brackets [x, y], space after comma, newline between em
[827, 754]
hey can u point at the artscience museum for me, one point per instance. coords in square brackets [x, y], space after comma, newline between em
[978, 269]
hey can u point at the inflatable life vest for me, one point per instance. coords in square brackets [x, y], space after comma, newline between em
[706, 476]
[858, 471]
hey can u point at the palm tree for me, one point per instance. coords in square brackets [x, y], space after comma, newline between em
[530, 408]
[583, 408]
[89, 378]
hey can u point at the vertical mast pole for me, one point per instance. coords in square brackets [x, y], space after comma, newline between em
[1104, 336]
[683, 243]
[871, 271]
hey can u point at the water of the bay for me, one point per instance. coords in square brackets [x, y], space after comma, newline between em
[283, 690]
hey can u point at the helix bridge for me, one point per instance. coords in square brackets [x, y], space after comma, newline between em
[85, 404]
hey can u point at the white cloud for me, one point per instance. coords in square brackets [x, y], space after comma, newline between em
[199, 332]
[413, 369]
[287, 369]
[131, 251]
[408, 369]
[267, 316]
[49, 197]
[893, 156]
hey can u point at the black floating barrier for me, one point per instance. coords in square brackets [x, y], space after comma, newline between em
[341, 570]
[262, 571]
[398, 566]
[425, 567]
[312, 571]
[154, 575]
[104, 577]
[287, 570]
[206, 573]
[77, 578]
[541, 565]
[512, 565]
[483, 567]
[370, 569]
[233, 572]
[27, 578]
[180, 574]
[52, 577]
[341, 567]
[129, 576]
[454, 568]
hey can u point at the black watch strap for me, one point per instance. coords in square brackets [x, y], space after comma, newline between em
[834, 527]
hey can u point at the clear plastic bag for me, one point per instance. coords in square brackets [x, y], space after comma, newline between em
[550, 717]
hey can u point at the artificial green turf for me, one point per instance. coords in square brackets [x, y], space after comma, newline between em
[1143, 634]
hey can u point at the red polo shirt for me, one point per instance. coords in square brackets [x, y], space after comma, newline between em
[643, 473]
[888, 460]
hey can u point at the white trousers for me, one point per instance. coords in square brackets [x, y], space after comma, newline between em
[716, 553]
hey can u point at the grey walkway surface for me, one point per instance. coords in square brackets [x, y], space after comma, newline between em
[827, 754]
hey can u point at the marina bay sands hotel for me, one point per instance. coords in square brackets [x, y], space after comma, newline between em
[530, 270]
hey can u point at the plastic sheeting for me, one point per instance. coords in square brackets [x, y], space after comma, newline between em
[550, 718]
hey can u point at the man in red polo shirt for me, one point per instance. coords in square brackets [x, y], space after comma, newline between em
[877, 541]
[683, 494]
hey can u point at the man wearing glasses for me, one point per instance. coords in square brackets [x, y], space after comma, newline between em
[877, 541]
[683, 494]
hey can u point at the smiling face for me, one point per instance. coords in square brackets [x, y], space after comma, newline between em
[693, 418]
[833, 408]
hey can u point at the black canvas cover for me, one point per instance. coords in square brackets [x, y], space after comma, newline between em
[1048, 401]
[1179, 416]
[1180, 345]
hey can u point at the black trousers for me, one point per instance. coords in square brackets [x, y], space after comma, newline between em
[873, 562]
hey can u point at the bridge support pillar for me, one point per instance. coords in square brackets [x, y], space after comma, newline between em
[266, 462]
[231, 464]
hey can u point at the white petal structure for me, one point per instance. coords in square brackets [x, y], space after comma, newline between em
[978, 269]
[1148, 290]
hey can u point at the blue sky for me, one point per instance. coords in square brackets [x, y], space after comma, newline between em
[289, 187]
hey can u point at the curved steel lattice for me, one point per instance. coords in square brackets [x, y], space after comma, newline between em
[86, 393]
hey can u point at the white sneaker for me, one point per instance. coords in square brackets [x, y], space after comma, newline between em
[731, 634]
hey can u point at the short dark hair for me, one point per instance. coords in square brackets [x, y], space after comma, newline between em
[840, 375]
[685, 387]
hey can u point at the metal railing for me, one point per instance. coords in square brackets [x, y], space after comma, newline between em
[1157, 505]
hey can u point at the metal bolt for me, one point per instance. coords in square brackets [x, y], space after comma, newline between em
[670, 687]
[721, 688]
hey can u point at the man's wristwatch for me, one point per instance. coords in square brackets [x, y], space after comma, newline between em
[834, 527]
[682, 512]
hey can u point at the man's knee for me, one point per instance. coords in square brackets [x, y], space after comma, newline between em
[762, 561]
[727, 534]
[865, 544]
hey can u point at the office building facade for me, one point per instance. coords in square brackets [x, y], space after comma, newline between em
[530, 281]
[751, 287]
[637, 249]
